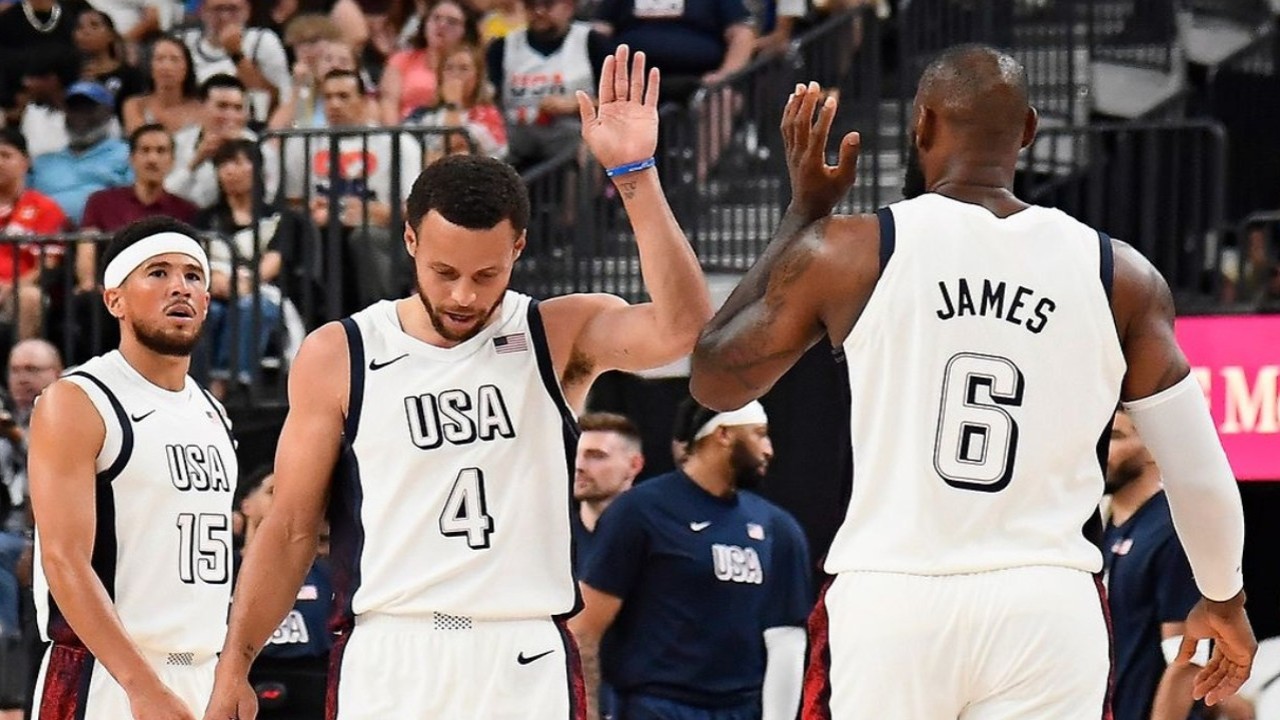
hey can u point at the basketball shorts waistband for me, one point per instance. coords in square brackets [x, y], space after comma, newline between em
[444, 622]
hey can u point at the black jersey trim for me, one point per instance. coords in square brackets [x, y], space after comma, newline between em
[888, 236]
[222, 418]
[1106, 263]
[568, 423]
[355, 349]
[126, 429]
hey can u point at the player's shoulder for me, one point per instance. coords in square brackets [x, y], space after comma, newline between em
[776, 515]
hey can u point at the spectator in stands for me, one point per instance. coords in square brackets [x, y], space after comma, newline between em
[174, 100]
[290, 673]
[320, 49]
[46, 75]
[410, 80]
[151, 158]
[345, 15]
[465, 101]
[355, 190]
[1150, 586]
[94, 158]
[225, 117]
[693, 42]
[1247, 273]
[702, 585]
[609, 459]
[138, 20]
[26, 29]
[776, 20]
[223, 44]
[257, 237]
[536, 72]
[102, 58]
[23, 212]
[33, 366]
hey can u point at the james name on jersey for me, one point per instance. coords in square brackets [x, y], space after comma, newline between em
[458, 417]
[995, 300]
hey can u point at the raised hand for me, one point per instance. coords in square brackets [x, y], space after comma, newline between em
[816, 187]
[623, 128]
[1233, 647]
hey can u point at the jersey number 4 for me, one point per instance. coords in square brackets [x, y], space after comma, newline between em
[977, 439]
[465, 513]
[202, 552]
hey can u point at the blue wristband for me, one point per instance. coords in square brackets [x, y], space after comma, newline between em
[630, 167]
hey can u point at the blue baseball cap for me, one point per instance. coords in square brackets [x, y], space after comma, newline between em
[93, 91]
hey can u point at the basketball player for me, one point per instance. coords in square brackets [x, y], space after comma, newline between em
[702, 584]
[132, 472]
[440, 430]
[987, 343]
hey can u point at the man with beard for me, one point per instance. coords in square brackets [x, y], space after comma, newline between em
[1150, 586]
[439, 429]
[94, 159]
[701, 585]
[132, 470]
[609, 458]
[992, 341]
[535, 72]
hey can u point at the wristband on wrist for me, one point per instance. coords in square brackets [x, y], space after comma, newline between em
[630, 167]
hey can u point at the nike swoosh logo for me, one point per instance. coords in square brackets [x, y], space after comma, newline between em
[699, 526]
[526, 660]
[140, 418]
[375, 365]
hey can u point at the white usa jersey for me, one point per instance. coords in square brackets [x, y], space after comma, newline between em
[985, 371]
[452, 493]
[165, 479]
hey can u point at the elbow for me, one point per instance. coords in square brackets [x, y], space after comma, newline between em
[712, 392]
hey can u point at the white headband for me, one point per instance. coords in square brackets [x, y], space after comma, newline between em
[145, 249]
[750, 414]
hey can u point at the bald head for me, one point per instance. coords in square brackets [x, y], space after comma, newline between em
[33, 366]
[976, 88]
[971, 115]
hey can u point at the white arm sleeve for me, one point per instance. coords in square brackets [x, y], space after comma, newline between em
[1203, 498]
[783, 672]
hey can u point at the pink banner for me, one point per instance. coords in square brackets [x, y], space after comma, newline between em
[1237, 360]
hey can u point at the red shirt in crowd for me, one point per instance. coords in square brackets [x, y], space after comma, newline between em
[33, 214]
[111, 209]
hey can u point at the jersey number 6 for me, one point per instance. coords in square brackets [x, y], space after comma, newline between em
[465, 513]
[977, 439]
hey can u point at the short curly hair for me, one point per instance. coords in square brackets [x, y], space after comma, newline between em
[473, 191]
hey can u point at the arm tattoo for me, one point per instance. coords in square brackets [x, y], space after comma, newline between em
[627, 188]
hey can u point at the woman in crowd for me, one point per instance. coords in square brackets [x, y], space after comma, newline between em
[410, 80]
[267, 245]
[304, 106]
[465, 101]
[174, 100]
[102, 57]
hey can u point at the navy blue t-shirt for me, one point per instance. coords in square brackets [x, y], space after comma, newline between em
[701, 578]
[679, 37]
[304, 631]
[583, 541]
[1149, 582]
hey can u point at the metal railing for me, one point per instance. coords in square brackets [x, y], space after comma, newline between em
[1159, 187]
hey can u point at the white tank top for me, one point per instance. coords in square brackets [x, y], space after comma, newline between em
[532, 76]
[452, 493]
[166, 475]
[985, 372]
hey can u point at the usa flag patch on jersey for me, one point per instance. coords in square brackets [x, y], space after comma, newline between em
[755, 531]
[513, 343]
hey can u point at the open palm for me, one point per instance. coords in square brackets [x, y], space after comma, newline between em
[623, 128]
